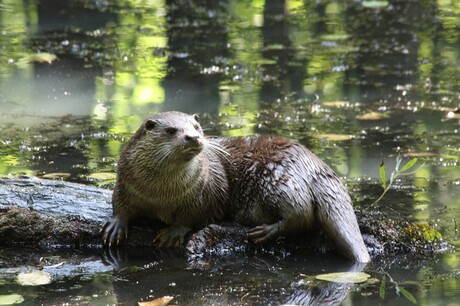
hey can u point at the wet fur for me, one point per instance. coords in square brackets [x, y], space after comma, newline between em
[268, 182]
[278, 180]
[155, 181]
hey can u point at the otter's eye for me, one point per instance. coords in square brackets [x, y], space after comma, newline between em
[150, 125]
[171, 130]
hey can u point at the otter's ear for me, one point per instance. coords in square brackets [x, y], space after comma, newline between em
[150, 124]
[196, 117]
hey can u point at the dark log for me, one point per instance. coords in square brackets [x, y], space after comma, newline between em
[47, 213]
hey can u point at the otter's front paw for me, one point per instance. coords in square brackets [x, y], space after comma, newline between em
[263, 233]
[171, 237]
[114, 232]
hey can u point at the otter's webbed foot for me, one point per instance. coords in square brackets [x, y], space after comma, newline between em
[263, 233]
[114, 232]
[171, 237]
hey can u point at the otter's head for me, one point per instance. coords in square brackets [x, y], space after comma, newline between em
[171, 137]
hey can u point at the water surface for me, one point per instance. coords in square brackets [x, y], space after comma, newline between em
[357, 82]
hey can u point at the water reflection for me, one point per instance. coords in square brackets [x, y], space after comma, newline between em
[256, 280]
[283, 71]
[387, 52]
[275, 67]
[197, 55]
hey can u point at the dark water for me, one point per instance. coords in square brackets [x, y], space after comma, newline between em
[358, 82]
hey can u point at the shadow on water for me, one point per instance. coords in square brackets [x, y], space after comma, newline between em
[358, 82]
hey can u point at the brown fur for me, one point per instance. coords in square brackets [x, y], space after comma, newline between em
[269, 183]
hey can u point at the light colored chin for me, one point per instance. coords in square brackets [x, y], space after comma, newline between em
[188, 156]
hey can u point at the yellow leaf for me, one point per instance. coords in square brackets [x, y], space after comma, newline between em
[163, 301]
[102, 176]
[344, 277]
[42, 57]
[38, 58]
[420, 154]
[35, 278]
[373, 116]
[337, 103]
[56, 176]
[333, 137]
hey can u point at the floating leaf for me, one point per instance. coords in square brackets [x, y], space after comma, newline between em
[421, 154]
[373, 116]
[383, 175]
[407, 295]
[38, 58]
[42, 57]
[375, 4]
[409, 164]
[35, 278]
[56, 176]
[334, 137]
[344, 277]
[334, 37]
[337, 103]
[11, 299]
[102, 176]
[163, 301]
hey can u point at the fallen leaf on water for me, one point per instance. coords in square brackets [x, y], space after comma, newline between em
[163, 301]
[344, 277]
[337, 103]
[35, 278]
[56, 175]
[421, 154]
[37, 58]
[373, 116]
[102, 176]
[375, 4]
[11, 299]
[334, 137]
[41, 58]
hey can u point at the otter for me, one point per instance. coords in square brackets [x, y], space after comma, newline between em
[171, 172]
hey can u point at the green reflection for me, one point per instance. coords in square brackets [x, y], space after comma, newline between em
[279, 67]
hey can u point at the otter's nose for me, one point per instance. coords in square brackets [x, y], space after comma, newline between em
[193, 139]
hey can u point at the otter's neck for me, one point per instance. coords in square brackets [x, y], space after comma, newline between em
[175, 180]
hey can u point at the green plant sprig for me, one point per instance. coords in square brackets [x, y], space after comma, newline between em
[396, 173]
[398, 287]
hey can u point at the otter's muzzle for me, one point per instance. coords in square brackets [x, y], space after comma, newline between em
[192, 145]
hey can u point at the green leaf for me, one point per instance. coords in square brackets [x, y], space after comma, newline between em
[407, 295]
[382, 287]
[409, 164]
[383, 175]
[375, 4]
[11, 299]
[344, 277]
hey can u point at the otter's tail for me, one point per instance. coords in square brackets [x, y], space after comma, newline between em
[334, 211]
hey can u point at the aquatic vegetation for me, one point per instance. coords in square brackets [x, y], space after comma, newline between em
[396, 173]
[400, 289]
